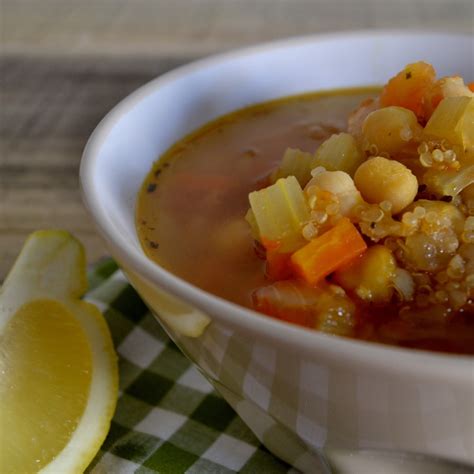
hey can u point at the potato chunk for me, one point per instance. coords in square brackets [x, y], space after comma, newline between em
[370, 276]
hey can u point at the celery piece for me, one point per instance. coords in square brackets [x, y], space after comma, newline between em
[252, 222]
[280, 211]
[449, 183]
[295, 163]
[338, 153]
[453, 120]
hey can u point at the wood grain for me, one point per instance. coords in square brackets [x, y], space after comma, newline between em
[65, 63]
[49, 109]
[197, 27]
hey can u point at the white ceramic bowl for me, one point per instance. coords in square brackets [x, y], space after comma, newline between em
[311, 398]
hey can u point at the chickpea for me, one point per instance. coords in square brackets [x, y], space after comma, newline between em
[379, 179]
[336, 182]
[370, 276]
[340, 184]
[390, 129]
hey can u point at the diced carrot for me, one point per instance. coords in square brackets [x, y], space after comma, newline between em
[320, 257]
[410, 88]
[270, 245]
[277, 263]
[471, 86]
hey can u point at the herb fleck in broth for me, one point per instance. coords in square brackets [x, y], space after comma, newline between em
[191, 209]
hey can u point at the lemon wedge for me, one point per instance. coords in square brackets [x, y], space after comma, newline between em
[58, 368]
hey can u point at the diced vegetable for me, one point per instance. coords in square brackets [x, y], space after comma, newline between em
[409, 88]
[339, 152]
[336, 313]
[278, 265]
[280, 212]
[449, 183]
[325, 307]
[250, 218]
[453, 120]
[295, 163]
[369, 276]
[325, 254]
[449, 87]
[471, 86]
[341, 185]
[288, 300]
[390, 129]
[379, 179]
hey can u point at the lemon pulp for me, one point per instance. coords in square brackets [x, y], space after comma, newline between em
[46, 375]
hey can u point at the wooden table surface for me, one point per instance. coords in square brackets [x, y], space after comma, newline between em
[64, 64]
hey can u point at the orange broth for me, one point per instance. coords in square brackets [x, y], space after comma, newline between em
[191, 208]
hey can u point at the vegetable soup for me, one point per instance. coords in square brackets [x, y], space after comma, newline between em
[349, 212]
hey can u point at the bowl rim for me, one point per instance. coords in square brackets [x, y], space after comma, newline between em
[378, 356]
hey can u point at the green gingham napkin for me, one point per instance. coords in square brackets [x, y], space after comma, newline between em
[168, 418]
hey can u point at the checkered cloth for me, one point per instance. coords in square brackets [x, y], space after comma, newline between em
[169, 419]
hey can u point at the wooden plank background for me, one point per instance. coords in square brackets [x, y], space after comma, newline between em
[64, 64]
[196, 27]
